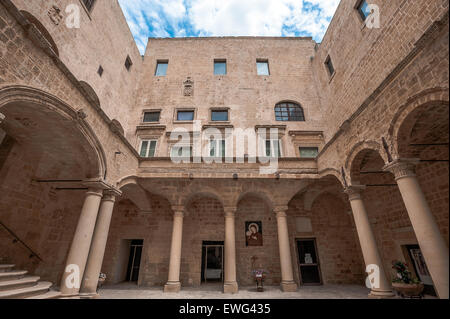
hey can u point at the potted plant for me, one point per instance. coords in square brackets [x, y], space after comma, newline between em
[101, 280]
[405, 285]
[260, 275]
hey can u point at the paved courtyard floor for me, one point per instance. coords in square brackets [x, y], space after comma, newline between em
[131, 291]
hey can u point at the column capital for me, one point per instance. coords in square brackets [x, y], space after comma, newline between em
[403, 167]
[354, 191]
[111, 194]
[280, 211]
[178, 211]
[230, 211]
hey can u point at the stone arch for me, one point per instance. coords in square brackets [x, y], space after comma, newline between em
[133, 191]
[50, 104]
[368, 158]
[361, 146]
[33, 21]
[427, 99]
[332, 172]
[201, 192]
[262, 194]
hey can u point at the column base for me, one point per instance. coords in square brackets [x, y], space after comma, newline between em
[172, 287]
[381, 294]
[230, 288]
[289, 286]
[89, 295]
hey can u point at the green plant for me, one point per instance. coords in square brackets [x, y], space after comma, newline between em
[403, 274]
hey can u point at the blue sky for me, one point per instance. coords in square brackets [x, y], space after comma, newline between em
[193, 18]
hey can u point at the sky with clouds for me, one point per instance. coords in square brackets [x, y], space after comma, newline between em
[193, 18]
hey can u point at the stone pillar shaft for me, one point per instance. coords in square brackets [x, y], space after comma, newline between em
[173, 284]
[79, 249]
[287, 275]
[98, 246]
[429, 237]
[230, 285]
[368, 243]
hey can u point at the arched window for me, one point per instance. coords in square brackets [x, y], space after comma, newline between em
[289, 112]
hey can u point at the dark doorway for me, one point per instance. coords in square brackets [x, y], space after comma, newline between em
[134, 261]
[420, 268]
[308, 262]
[212, 261]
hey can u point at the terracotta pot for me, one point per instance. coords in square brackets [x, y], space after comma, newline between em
[408, 290]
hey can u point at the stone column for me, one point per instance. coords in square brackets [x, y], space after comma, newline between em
[97, 251]
[429, 237]
[381, 288]
[287, 275]
[174, 284]
[79, 249]
[230, 284]
[2, 117]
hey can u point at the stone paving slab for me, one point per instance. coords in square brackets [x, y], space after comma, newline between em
[128, 291]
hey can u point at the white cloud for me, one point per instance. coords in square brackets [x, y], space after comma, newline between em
[165, 18]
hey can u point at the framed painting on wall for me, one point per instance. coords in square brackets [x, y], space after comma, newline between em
[253, 234]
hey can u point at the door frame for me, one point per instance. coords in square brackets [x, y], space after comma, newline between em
[128, 278]
[205, 245]
[314, 239]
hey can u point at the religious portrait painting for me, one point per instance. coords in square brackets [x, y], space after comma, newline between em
[253, 234]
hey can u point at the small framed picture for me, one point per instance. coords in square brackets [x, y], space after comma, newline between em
[253, 233]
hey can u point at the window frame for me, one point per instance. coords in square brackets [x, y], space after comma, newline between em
[150, 140]
[266, 61]
[128, 63]
[222, 143]
[182, 147]
[160, 62]
[280, 148]
[100, 71]
[150, 111]
[329, 62]
[310, 148]
[177, 111]
[220, 61]
[88, 9]
[359, 8]
[219, 110]
[289, 104]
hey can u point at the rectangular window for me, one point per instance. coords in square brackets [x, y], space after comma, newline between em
[364, 10]
[185, 115]
[220, 67]
[161, 68]
[273, 148]
[151, 117]
[148, 148]
[329, 65]
[217, 148]
[219, 115]
[309, 152]
[262, 67]
[181, 151]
